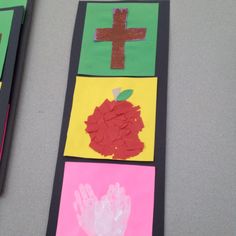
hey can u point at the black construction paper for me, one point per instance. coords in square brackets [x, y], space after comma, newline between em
[161, 71]
[9, 65]
[13, 89]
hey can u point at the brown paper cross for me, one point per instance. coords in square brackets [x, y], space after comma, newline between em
[118, 35]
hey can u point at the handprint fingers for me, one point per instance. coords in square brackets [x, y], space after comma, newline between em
[79, 202]
[83, 193]
[118, 196]
[84, 206]
[127, 207]
[78, 207]
[118, 189]
[111, 191]
[90, 193]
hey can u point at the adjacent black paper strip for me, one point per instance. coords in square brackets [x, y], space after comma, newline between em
[13, 87]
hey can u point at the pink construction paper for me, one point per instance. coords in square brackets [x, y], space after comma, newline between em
[4, 132]
[138, 182]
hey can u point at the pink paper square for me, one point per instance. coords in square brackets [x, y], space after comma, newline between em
[4, 132]
[138, 182]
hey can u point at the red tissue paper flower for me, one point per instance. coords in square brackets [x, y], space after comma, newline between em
[114, 127]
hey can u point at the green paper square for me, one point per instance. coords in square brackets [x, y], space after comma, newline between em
[5, 29]
[140, 56]
[12, 3]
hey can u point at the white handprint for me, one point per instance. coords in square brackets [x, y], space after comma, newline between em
[114, 209]
[103, 218]
[121, 206]
[85, 201]
[107, 217]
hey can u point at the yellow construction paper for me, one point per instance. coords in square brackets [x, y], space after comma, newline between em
[91, 92]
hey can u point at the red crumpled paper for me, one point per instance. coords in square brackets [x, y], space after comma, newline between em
[114, 128]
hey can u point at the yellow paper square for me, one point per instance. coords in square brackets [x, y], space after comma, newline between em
[91, 92]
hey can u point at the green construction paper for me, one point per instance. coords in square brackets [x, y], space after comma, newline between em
[5, 29]
[12, 3]
[124, 95]
[140, 56]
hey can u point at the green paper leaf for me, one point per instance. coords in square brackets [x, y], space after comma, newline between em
[124, 95]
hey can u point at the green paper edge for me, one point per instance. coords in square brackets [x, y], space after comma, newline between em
[13, 3]
[6, 18]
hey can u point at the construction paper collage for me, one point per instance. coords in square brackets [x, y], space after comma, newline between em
[15, 17]
[110, 173]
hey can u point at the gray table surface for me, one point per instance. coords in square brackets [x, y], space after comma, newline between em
[201, 134]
